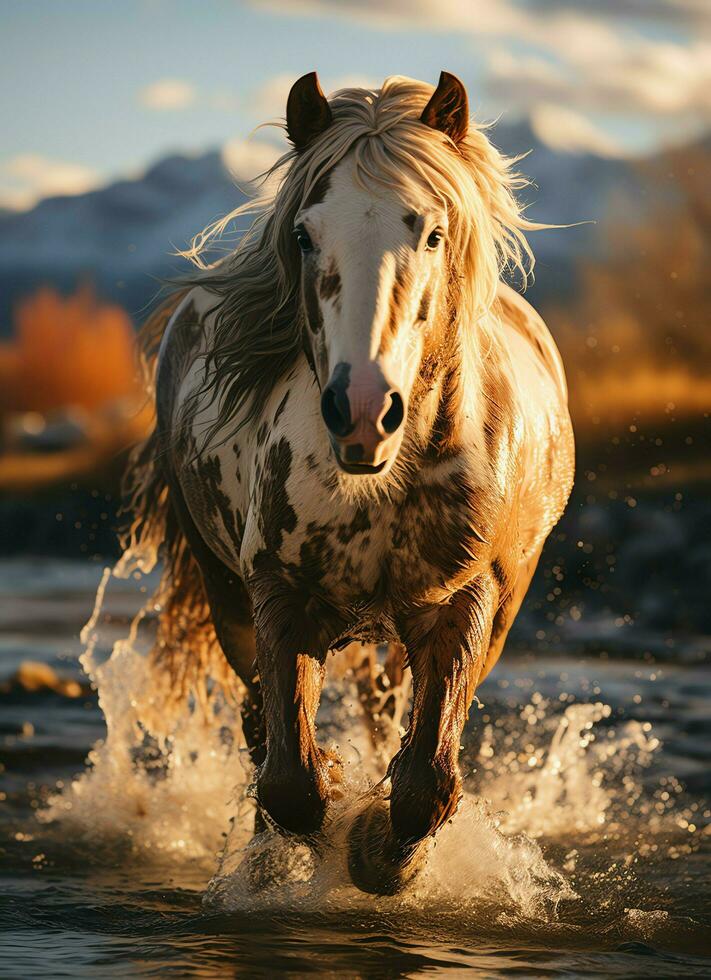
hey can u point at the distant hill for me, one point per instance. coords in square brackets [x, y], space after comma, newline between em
[120, 237]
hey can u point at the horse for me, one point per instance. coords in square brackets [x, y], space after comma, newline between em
[361, 437]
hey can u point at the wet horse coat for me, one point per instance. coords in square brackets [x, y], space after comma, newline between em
[395, 483]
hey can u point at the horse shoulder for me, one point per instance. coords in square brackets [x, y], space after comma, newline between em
[547, 448]
[207, 475]
[518, 316]
[180, 351]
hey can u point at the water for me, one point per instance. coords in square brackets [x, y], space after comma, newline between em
[582, 847]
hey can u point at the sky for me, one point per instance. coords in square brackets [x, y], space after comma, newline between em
[93, 91]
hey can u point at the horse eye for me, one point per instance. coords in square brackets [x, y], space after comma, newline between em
[303, 240]
[433, 239]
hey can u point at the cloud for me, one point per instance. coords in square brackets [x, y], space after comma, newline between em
[247, 159]
[678, 12]
[167, 95]
[567, 131]
[176, 94]
[441, 16]
[269, 100]
[599, 55]
[639, 77]
[658, 78]
[500, 17]
[28, 177]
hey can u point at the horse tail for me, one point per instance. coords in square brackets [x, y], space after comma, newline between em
[185, 647]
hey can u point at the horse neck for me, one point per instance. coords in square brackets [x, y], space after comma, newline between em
[439, 411]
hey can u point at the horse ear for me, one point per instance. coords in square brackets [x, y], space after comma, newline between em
[308, 113]
[448, 109]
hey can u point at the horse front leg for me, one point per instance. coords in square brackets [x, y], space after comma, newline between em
[446, 646]
[294, 781]
[293, 784]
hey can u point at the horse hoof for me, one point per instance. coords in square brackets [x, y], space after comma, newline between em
[272, 861]
[378, 864]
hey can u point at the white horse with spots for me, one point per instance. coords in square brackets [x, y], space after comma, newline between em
[362, 435]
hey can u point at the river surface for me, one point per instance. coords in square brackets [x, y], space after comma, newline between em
[582, 847]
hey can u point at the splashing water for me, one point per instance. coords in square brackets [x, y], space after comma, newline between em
[161, 781]
[177, 783]
[563, 786]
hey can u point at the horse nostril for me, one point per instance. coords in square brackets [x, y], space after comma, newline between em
[392, 420]
[336, 411]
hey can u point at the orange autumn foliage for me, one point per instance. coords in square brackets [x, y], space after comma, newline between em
[67, 351]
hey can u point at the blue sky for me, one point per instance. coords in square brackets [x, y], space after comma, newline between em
[93, 90]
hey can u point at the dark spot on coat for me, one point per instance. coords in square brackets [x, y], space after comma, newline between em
[443, 523]
[410, 220]
[312, 307]
[239, 523]
[306, 348]
[238, 452]
[330, 285]
[497, 570]
[443, 437]
[398, 300]
[423, 310]
[217, 502]
[276, 515]
[316, 555]
[318, 191]
[359, 524]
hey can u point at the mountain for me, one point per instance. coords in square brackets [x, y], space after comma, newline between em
[121, 237]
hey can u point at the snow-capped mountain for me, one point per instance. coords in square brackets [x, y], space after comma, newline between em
[121, 237]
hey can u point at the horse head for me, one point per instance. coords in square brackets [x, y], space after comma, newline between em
[375, 267]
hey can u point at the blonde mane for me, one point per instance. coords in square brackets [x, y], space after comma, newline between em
[259, 328]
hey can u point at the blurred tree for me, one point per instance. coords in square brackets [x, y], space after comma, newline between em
[637, 343]
[67, 351]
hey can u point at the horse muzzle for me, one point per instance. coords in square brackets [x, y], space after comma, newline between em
[365, 453]
[364, 417]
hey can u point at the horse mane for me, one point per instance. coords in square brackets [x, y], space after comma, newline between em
[258, 332]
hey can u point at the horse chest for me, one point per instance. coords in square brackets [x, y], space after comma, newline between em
[435, 539]
[359, 555]
[299, 530]
[275, 509]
